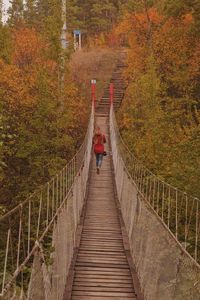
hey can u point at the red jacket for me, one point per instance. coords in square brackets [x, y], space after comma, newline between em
[99, 140]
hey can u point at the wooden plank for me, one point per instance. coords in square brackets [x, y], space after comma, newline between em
[103, 289]
[110, 285]
[102, 242]
[103, 235]
[104, 248]
[103, 280]
[100, 298]
[106, 269]
[107, 277]
[100, 238]
[105, 294]
[102, 265]
[101, 254]
[101, 230]
[103, 260]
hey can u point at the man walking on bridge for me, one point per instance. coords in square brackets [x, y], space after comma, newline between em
[98, 141]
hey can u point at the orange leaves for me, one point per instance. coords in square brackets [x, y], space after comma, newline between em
[19, 80]
[174, 52]
[160, 113]
[138, 29]
[124, 26]
[143, 24]
[28, 47]
[170, 44]
[168, 40]
[13, 87]
[30, 51]
[141, 20]
[188, 19]
[194, 62]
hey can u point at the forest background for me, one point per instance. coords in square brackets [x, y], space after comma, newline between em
[41, 127]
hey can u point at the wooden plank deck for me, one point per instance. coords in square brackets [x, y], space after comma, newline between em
[101, 269]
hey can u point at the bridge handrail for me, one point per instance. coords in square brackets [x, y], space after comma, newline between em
[150, 172]
[178, 211]
[25, 226]
[26, 201]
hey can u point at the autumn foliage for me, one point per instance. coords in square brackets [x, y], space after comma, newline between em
[160, 115]
[41, 128]
[40, 131]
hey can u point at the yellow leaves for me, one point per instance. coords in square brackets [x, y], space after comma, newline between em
[160, 117]
[19, 80]
[141, 20]
[171, 43]
[12, 85]
[124, 26]
[126, 122]
[28, 47]
[194, 61]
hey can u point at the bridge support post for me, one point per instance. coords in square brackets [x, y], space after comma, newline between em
[93, 86]
[111, 93]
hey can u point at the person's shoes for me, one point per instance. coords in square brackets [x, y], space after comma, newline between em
[98, 171]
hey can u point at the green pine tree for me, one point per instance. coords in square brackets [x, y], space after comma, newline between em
[1, 11]
[181, 7]
[49, 22]
[73, 13]
[16, 13]
[30, 13]
[5, 44]
[93, 16]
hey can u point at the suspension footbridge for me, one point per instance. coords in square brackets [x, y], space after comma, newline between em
[123, 234]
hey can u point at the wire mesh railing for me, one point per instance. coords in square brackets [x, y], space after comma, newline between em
[163, 225]
[179, 211]
[30, 226]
